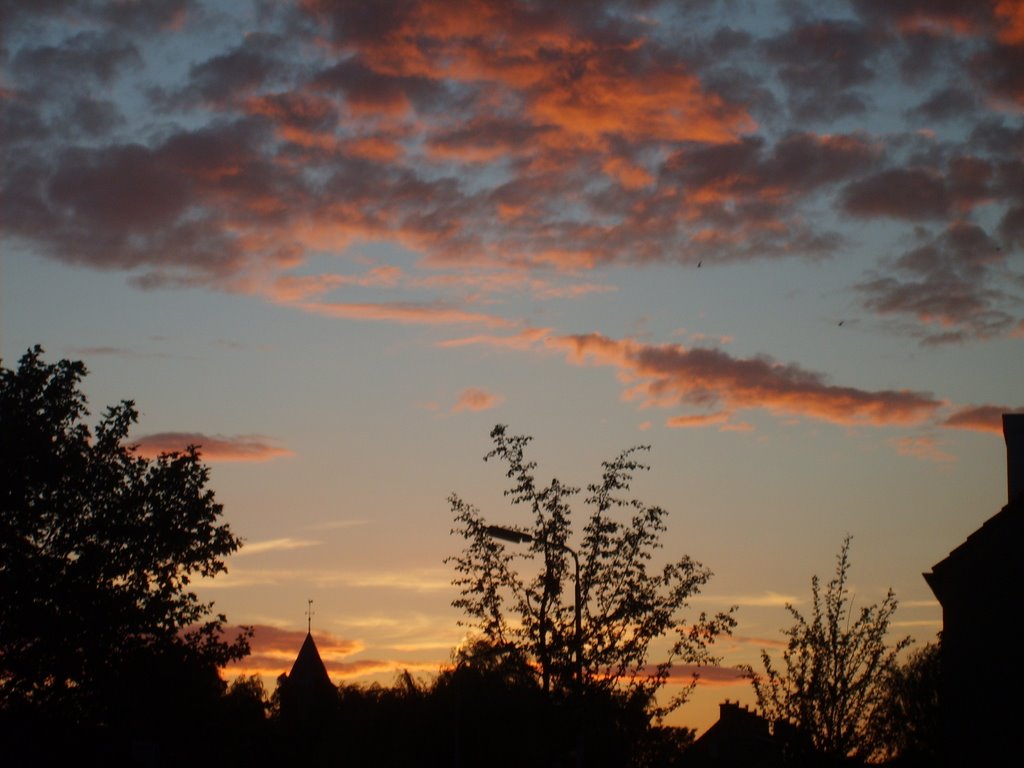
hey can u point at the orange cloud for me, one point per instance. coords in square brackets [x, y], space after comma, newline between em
[981, 418]
[586, 86]
[211, 447]
[740, 426]
[762, 642]
[684, 674]
[291, 289]
[1010, 15]
[407, 313]
[697, 420]
[273, 545]
[669, 374]
[474, 399]
[525, 340]
[481, 283]
[922, 447]
[379, 148]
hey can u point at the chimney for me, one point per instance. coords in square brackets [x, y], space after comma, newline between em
[1013, 432]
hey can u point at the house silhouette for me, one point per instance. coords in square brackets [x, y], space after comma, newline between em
[740, 739]
[979, 586]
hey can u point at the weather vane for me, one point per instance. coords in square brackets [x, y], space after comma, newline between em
[309, 617]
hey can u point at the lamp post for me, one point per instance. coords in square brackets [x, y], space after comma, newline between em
[521, 537]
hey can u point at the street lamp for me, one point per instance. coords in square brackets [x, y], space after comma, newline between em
[521, 537]
[508, 534]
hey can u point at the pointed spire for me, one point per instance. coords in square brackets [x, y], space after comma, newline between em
[307, 689]
[308, 669]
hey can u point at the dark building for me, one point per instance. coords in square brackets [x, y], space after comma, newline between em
[979, 586]
[739, 739]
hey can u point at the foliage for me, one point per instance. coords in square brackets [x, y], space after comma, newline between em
[625, 603]
[97, 548]
[908, 723]
[836, 666]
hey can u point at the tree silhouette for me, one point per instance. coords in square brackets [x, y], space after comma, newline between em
[836, 667]
[625, 603]
[97, 549]
[908, 722]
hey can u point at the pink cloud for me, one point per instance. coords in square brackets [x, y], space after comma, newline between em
[923, 447]
[740, 426]
[474, 399]
[523, 341]
[292, 289]
[980, 418]
[697, 420]
[668, 375]
[407, 313]
[211, 447]
[684, 674]
[762, 642]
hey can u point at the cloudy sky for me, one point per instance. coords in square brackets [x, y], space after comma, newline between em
[335, 242]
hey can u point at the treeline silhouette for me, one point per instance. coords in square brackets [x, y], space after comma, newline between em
[496, 715]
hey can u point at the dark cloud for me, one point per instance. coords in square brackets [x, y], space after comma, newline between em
[486, 138]
[940, 185]
[126, 187]
[361, 22]
[165, 208]
[821, 63]
[230, 76]
[296, 109]
[1001, 69]
[933, 16]
[148, 17]
[82, 57]
[92, 118]
[903, 193]
[137, 17]
[994, 136]
[933, 24]
[946, 104]
[797, 164]
[737, 85]
[542, 136]
[20, 121]
[365, 88]
[922, 54]
[946, 288]
[1011, 227]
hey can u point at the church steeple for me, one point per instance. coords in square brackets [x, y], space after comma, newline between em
[308, 672]
[307, 691]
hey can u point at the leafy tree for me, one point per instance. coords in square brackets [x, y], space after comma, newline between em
[625, 604]
[836, 666]
[97, 549]
[908, 722]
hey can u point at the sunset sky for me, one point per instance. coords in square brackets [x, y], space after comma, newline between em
[335, 243]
